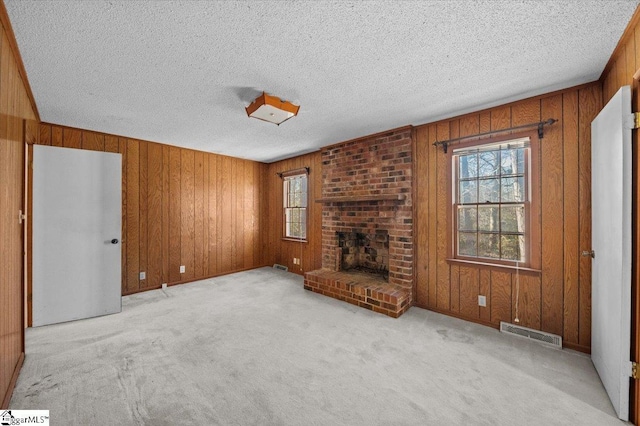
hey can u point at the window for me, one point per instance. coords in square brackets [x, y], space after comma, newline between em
[295, 206]
[492, 202]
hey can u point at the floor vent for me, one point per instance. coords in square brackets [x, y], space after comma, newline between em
[528, 333]
[281, 267]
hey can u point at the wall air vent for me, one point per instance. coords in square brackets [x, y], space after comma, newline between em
[281, 267]
[549, 339]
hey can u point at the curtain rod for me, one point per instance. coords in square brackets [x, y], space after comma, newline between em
[293, 172]
[540, 125]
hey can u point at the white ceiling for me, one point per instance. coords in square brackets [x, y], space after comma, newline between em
[181, 72]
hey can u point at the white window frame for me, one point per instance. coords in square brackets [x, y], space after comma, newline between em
[530, 204]
[295, 200]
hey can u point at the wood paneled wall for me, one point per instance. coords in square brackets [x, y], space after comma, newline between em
[279, 250]
[557, 299]
[623, 69]
[180, 207]
[17, 119]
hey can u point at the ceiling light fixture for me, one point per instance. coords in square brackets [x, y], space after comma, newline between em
[272, 109]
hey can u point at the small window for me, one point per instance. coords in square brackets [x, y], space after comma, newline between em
[492, 199]
[295, 206]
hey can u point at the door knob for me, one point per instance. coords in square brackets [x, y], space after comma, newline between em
[114, 241]
[589, 253]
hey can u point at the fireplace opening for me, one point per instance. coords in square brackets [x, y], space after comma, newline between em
[366, 252]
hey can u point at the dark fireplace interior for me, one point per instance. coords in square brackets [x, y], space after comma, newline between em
[367, 252]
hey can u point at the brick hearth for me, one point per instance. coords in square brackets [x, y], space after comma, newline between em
[366, 188]
[360, 289]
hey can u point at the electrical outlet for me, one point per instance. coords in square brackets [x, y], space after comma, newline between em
[164, 286]
[143, 275]
[482, 301]
[182, 269]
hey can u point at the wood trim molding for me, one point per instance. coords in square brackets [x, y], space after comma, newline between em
[6, 23]
[12, 383]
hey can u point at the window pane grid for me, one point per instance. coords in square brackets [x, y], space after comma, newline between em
[490, 203]
[295, 206]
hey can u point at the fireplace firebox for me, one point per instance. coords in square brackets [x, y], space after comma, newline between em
[366, 252]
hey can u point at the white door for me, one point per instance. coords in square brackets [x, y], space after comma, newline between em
[76, 234]
[611, 243]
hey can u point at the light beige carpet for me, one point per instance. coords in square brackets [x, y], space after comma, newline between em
[255, 348]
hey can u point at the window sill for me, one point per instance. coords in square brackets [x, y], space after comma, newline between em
[294, 240]
[496, 266]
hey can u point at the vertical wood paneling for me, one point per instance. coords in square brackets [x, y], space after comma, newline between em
[15, 107]
[111, 143]
[454, 270]
[469, 290]
[220, 221]
[122, 148]
[205, 215]
[45, 134]
[166, 217]
[571, 211]
[283, 251]
[636, 43]
[552, 218]
[590, 105]
[443, 289]
[485, 122]
[212, 214]
[187, 218]
[525, 112]
[198, 248]
[177, 206]
[175, 214]
[557, 297]
[227, 212]
[469, 125]
[432, 219]
[630, 52]
[56, 136]
[454, 288]
[154, 216]
[247, 210]
[93, 141]
[621, 68]
[501, 118]
[71, 138]
[528, 296]
[132, 240]
[238, 224]
[422, 226]
[485, 290]
[143, 200]
[500, 297]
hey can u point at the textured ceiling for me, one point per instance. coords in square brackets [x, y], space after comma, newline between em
[181, 72]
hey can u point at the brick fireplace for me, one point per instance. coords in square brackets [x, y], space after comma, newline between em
[367, 218]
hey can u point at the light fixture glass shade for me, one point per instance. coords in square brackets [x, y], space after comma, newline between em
[272, 109]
